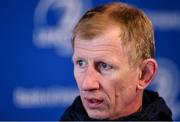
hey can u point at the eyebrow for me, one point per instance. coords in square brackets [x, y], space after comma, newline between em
[105, 60]
[74, 58]
[98, 59]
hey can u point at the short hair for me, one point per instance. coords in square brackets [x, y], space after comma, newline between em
[137, 31]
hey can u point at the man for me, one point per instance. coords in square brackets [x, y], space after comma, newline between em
[114, 62]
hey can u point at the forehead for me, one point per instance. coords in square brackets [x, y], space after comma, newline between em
[108, 44]
[110, 36]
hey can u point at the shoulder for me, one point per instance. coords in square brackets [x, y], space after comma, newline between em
[155, 107]
[74, 112]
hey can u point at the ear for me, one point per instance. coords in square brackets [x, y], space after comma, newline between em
[148, 69]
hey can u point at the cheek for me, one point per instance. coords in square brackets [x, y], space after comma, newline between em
[109, 86]
[125, 88]
[110, 92]
[78, 78]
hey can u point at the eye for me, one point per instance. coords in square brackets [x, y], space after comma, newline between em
[81, 64]
[104, 66]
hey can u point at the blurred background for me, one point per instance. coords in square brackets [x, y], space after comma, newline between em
[36, 71]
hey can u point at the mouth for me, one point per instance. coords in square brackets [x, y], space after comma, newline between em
[93, 103]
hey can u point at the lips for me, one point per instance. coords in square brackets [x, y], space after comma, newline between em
[93, 103]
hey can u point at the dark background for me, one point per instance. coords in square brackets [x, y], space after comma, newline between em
[36, 71]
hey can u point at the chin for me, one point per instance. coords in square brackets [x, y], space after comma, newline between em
[97, 115]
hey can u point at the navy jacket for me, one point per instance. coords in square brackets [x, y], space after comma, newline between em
[154, 108]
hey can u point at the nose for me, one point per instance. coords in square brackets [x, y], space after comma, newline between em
[91, 80]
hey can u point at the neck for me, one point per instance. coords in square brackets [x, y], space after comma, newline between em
[133, 107]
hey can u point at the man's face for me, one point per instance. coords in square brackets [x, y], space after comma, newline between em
[105, 79]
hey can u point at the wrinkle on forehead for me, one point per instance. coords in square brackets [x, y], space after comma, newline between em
[109, 35]
[110, 41]
[108, 44]
[99, 49]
